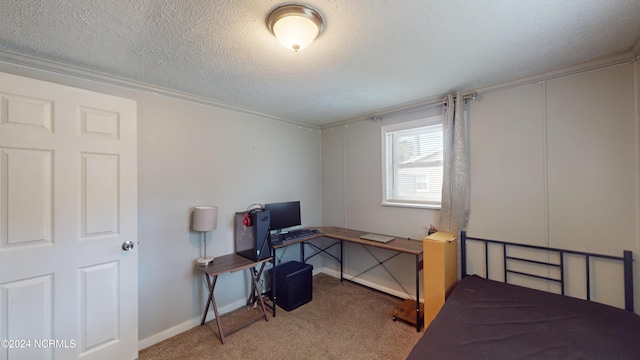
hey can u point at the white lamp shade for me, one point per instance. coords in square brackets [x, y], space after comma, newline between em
[295, 32]
[205, 218]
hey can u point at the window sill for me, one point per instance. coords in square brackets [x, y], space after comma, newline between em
[411, 205]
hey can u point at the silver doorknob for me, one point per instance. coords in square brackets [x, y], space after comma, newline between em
[127, 245]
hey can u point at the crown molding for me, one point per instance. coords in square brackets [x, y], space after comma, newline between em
[636, 49]
[90, 75]
[612, 60]
[103, 78]
[624, 57]
[397, 109]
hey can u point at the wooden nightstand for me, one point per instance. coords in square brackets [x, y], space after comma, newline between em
[440, 269]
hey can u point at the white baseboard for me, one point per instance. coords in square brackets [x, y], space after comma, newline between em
[368, 284]
[189, 324]
[330, 272]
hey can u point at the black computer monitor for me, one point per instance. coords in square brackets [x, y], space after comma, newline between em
[284, 215]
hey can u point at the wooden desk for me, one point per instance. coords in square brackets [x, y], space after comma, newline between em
[228, 264]
[399, 245]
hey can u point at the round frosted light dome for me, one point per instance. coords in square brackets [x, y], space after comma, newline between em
[295, 32]
[295, 26]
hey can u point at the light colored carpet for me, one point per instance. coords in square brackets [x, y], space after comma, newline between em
[343, 321]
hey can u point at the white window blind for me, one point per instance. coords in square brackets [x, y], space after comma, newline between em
[413, 163]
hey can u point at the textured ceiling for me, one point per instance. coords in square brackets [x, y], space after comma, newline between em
[372, 55]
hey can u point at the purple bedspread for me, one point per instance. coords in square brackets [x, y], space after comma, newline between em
[486, 319]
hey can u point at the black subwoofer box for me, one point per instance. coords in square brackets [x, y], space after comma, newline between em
[294, 284]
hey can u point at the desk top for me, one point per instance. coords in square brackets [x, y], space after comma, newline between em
[403, 245]
[229, 263]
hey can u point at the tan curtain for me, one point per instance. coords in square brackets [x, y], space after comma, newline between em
[454, 213]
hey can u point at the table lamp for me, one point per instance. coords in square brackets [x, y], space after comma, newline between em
[205, 218]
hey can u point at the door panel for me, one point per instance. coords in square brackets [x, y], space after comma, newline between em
[28, 300]
[68, 201]
[99, 194]
[27, 172]
[27, 113]
[99, 304]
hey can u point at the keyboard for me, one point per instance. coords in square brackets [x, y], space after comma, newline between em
[296, 234]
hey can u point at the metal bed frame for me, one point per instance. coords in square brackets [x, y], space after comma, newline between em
[626, 259]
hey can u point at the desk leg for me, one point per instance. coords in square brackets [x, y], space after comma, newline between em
[341, 261]
[274, 278]
[254, 277]
[210, 286]
[212, 301]
[418, 324]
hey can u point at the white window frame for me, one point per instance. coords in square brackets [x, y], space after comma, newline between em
[389, 197]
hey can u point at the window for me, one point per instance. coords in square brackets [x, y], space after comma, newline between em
[412, 163]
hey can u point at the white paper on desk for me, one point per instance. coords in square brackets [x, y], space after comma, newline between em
[377, 237]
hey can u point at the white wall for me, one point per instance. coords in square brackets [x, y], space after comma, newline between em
[553, 163]
[196, 155]
[352, 193]
[191, 154]
[534, 180]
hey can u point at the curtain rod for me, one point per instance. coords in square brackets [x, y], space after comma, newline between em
[466, 97]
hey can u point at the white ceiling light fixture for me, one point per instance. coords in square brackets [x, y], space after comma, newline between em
[295, 26]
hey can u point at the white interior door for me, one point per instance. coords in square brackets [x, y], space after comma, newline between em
[68, 201]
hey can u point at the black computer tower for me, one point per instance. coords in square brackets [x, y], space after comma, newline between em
[253, 241]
